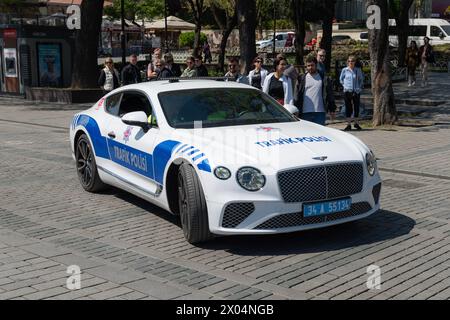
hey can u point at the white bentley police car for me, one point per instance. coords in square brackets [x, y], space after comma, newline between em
[225, 157]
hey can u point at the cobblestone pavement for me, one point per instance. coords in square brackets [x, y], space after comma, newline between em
[130, 249]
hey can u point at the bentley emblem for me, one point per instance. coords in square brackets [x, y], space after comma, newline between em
[322, 158]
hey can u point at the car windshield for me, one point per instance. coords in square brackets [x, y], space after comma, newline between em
[217, 107]
[446, 30]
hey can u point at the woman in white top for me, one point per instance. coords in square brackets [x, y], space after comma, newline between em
[258, 75]
[277, 85]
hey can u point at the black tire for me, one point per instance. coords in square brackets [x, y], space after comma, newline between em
[192, 205]
[86, 166]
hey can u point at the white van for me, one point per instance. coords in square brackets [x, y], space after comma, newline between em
[438, 30]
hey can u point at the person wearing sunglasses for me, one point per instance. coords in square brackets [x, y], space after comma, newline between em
[258, 74]
[321, 58]
[190, 71]
[109, 77]
[352, 79]
[234, 71]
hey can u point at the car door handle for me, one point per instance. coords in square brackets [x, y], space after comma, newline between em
[112, 135]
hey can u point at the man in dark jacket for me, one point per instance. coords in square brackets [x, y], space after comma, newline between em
[314, 95]
[200, 67]
[164, 72]
[131, 73]
[172, 66]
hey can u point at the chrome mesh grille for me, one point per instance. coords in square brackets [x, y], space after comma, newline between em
[321, 182]
[296, 219]
[235, 213]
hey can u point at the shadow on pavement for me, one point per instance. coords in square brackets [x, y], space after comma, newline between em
[379, 227]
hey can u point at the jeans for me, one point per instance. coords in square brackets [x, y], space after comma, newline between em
[316, 117]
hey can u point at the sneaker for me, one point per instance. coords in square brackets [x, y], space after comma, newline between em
[413, 83]
[357, 127]
[348, 128]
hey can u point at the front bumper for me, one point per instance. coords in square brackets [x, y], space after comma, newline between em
[270, 217]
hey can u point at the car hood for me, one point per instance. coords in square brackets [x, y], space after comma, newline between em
[274, 147]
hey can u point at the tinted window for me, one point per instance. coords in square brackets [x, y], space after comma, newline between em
[446, 30]
[435, 31]
[221, 107]
[419, 31]
[132, 102]
[112, 104]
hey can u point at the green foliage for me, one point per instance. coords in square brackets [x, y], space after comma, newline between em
[187, 39]
[140, 9]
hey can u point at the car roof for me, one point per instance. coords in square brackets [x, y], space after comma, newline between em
[166, 85]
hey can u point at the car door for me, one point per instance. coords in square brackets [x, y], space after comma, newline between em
[131, 147]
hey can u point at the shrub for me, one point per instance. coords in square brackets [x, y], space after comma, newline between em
[187, 39]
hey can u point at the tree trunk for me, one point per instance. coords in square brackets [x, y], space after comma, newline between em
[327, 31]
[384, 111]
[86, 45]
[402, 23]
[246, 15]
[226, 30]
[300, 32]
[198, 30]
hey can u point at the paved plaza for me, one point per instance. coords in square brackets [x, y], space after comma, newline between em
[129, 249]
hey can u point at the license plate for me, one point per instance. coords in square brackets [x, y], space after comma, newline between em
[323, 208]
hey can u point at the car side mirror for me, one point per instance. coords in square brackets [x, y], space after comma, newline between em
[137, 119]
[441, 35]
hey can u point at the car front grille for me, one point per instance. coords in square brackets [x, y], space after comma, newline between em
[235, 213]
[321, 182]
[297, 219]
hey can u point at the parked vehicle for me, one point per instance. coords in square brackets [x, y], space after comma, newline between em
[340, 38]
[438, 30]
[283, 40]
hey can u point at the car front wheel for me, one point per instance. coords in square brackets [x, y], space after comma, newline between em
[192, 205]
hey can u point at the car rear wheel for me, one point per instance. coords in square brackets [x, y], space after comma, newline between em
[86, 166]
[192, 205]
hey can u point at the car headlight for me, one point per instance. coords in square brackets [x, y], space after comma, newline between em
[250, 179]
[222, 173]
[371, 163]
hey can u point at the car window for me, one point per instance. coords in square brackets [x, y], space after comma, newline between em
[134, 101]
[221, 107]
[435, 31]
[446, 29]
[419, 31]
[112, 104]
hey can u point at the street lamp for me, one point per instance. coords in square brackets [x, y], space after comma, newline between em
[122, 33]
[165, 26]
[274, 27]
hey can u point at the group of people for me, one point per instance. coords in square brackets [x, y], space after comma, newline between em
[415, 57]
[311, 93]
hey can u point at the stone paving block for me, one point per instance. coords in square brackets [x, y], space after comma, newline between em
[156, 289]
[116, 275]
[16, 293]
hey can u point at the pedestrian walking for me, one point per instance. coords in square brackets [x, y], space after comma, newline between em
[352, 79]
[426, 55]
[412, 61]
[233, 71]
[257, 76]
[278, 85]
[314, 94]
[290, 71]
[109, 77]
[152, 72]
[200, 68]
[131, 73]
[190, 71]
[207, 52]
[171, 65]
